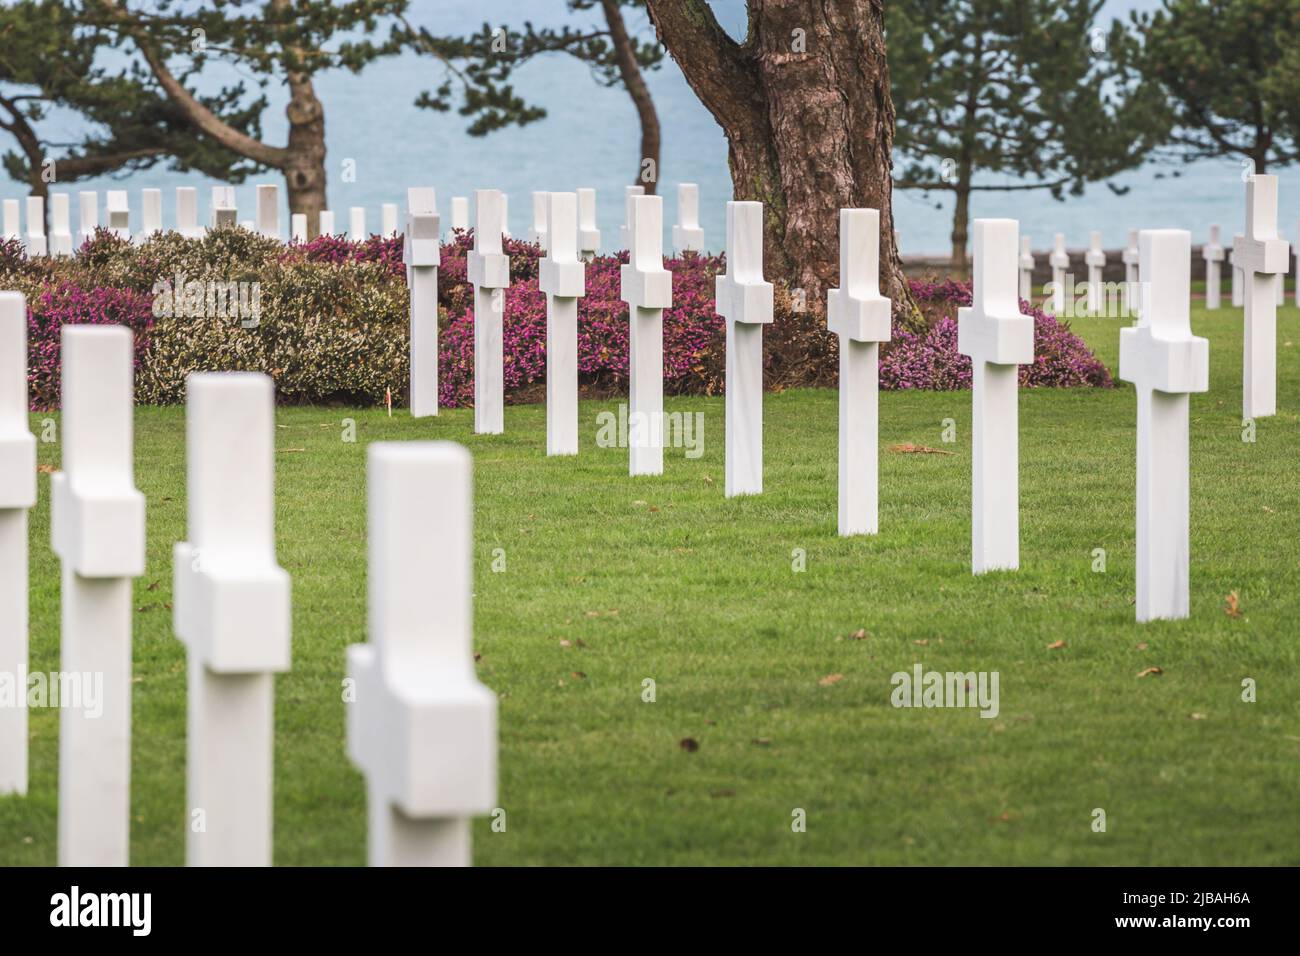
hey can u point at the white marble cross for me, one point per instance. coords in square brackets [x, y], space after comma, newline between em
[150, 213]
[36, 241]
[422, 729]
[13, 227]
[119, 213]
[1130, 257]
[224, 213]
[488, 270]
[647, 288]
[624, 231]
[97, 520]
[326, 223]
[588, 233]
[357, 223]
[232, 612]
[745, 300]
[17, 495]
[1059, 260]
[537, 231]
[1166, 362]
[388, 220]
[998, 339]
[687, 234]
[562, 276]
[1212, 252]
[1260, 255]
[268, 210]
[187, 213]
[860, 316]
[422, 255]
[298, 227]
[60, 225]
[88, 207]
[1026, 269]
[460, 213]
[1095, 259]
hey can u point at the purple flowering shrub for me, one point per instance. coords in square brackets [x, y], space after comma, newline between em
[691, 327]
[339, 250]
[798, 351]
[930, 360]
[65, 303]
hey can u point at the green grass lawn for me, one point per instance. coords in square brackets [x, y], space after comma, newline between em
[611, 580]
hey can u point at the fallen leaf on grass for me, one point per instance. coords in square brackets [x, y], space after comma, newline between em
[579, 674]
[1231, 605]
[45, 469]
[689, 744]
[859, 635]
[1056, 645]
[1150, 672]
[763, 741]
[1141, 646]
[907, 448]
[285, 451]
[830, 679]
[924, 642]
[564, 642]
[153, 586]
[1197, 716]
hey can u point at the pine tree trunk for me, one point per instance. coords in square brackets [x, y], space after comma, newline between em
[806, 108]
[961, 228]
[304, 164]
[634, 83]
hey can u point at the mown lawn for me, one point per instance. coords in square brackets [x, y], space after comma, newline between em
[663, 578]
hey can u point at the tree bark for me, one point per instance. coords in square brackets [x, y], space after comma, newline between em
[960, 227]
[304, 167]
[634, 81]
[806, 108]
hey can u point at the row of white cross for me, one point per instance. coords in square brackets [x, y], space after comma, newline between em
[687, 233]
[419, 724]
[1159, 354]
[1212, 252]
[1260, 259]
[222, 212]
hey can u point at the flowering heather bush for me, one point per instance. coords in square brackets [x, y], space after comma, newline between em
[797, 349]
[66, 303]
[930, 360]
[339, 250]
[690, 326]
[333, 325]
